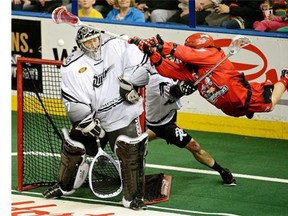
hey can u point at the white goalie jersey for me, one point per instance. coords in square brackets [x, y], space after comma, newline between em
[89, 85]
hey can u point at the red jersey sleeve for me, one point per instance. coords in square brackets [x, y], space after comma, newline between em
[203, 56]
[171, 69]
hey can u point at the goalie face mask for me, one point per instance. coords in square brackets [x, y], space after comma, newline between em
[89, 41]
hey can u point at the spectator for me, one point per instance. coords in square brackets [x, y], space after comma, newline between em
[125, 11]
[45, 6]
[272, 23]
[244, 13]
[18, 4]
[159, 11]
[104, 6]
[275, 16]
[203, 8]
[87, 10]
[184, 14]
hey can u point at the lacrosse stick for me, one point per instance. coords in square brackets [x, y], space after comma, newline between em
[104, 175]
[237, 43]
[62, 15]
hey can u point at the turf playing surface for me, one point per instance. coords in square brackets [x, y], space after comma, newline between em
[259, 165]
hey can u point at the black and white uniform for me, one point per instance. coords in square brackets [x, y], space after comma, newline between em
[89, 85]
[161, 112]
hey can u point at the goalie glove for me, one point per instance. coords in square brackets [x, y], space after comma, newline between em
[128, 92]
[90, 126]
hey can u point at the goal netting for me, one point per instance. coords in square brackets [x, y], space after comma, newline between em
[40, 117]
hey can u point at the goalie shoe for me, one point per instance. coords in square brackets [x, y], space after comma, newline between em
[135, 204]
[55, 192]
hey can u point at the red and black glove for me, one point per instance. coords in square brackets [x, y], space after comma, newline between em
[145, 47]
[156, 42]
[134, 40]
[164, 48]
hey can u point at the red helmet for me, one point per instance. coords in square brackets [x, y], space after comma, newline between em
[199, 40]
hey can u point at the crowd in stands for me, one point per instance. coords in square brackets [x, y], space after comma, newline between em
[260, 15]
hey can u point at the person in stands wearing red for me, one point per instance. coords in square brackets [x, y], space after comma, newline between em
[225, 88]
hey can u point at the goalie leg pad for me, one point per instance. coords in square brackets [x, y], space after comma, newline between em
[73, 168]
[131, 154]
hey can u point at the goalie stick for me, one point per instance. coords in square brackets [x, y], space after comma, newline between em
[237, 43]
[62, 15]
[104, 175]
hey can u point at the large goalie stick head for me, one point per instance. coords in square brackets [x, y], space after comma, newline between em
[62, 15]
[237, 43]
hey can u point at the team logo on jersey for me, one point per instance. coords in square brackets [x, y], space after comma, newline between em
[98, 79]
[82, 70]
[211, 91]
[180, 133]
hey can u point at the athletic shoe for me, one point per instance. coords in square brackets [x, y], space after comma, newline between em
[228, 178]
[250, 115]
[55, 192]
[135, 204]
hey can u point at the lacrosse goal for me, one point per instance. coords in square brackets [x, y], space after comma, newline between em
[40, 118]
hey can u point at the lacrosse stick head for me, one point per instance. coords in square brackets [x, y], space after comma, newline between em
[238, 42]
[62, 15]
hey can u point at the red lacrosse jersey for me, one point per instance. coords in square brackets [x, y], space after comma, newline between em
[225, 87]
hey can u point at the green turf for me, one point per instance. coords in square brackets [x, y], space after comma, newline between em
[204, 192]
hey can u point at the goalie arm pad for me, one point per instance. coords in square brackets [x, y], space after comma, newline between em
[90, 126]
[128, 92]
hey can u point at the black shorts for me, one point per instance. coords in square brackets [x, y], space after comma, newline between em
[172, 133]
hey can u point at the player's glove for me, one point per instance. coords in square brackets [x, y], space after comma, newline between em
[90, 126]
[143, 45]
[134, 40]
[170, 91]
[187, 87]
[146, 48]
[128, 92]
[156, 42]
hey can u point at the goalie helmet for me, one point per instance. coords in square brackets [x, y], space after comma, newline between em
[199, 40]
[85, 34]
